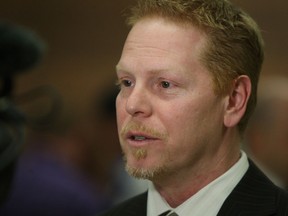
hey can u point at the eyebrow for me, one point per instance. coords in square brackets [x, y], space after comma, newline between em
[154, 71]
[120, 68]
[117, 67]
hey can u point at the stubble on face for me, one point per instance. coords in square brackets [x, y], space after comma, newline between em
[146, 173]
[142, 153]
[133, 126]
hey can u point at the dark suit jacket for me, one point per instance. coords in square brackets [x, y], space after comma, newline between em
[255, 195]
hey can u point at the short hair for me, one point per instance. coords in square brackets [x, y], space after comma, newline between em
[234, 43]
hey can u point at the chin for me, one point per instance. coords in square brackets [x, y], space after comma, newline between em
[141, 164]
[142, 171]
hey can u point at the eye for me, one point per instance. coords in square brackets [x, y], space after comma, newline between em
[123, 83]
[165, 84]
[126, 83]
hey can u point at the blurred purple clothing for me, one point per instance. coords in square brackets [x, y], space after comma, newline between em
[44, 187]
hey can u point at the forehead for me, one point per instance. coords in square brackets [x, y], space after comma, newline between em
[158, 39]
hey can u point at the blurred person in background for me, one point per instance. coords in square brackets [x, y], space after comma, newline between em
[20, 50]
[266, 139]
[64, 164]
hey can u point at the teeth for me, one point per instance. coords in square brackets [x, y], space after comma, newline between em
[139, 138]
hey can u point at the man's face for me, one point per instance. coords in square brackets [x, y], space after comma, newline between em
[169, 118]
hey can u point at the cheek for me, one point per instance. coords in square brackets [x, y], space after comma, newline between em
[120, 111]
[193, 120]
[182, 116]
[178, 122]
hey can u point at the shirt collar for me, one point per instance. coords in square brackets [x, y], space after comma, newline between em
[208, 200]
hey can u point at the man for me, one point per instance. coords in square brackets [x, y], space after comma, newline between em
[188, 75]
[266, 136]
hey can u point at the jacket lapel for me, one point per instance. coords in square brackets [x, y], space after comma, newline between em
[254, 195]
[137, 206]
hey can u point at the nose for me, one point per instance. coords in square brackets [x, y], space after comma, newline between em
[139, 103]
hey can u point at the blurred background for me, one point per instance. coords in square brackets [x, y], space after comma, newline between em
[83, 44]
[84, 40]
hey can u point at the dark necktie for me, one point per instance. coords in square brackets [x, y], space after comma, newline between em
[168, 213]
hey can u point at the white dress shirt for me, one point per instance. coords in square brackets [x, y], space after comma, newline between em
[208, 200]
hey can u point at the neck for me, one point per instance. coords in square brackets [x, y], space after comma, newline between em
[179, 186]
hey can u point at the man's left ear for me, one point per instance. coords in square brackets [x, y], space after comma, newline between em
[237, 101]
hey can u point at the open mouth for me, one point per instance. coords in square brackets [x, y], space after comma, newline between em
[138, 138]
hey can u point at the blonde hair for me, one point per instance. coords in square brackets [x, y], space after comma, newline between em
[234, 42]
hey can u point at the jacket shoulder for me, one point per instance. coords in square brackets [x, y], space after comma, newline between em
[255, 194]
[282, 202]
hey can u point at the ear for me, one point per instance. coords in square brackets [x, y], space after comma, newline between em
[237, 101]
